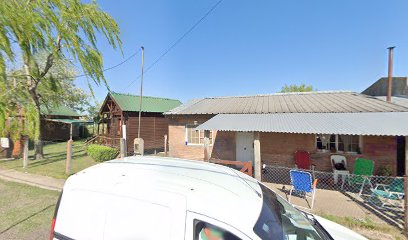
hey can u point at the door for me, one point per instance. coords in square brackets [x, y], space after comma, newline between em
[400, 156]
[244, 146]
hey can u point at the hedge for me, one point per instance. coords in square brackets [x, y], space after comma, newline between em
[101, 153]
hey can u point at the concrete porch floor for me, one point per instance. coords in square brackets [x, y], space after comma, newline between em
[342, 204]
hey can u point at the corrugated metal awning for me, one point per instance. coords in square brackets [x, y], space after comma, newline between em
[70, 121]
[378, 123]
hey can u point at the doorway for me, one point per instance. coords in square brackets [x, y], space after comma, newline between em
[400, 156]
[244, 146]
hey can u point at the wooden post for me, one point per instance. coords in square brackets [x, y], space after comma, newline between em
[123, 151]
[257, 157]
[69, 157]
[406, 188]
[25, 152]
[165, 144]
[207, 154]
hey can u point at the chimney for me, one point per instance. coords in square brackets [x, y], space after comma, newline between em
[390, 63]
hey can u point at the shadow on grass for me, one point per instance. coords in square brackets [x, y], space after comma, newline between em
[48, 159]
[27, 218]
[388, 215]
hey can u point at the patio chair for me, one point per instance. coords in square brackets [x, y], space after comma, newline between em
[302, 160]
[363, 168]
[303, 184]
[387, 193]
[339, 167]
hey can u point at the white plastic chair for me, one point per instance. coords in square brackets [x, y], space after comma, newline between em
[339, 159]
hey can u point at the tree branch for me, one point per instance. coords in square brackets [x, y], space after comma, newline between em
[50, 59]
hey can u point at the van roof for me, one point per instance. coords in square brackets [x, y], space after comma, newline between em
[213, 190]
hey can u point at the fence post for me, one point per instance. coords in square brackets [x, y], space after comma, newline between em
[123, 148]
[25, 152]
[165, 144]
[257, 157]
[206, 146]
[69, 157]
[406, 188]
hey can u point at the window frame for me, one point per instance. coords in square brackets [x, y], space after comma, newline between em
[192, 217]
[187, 143]
[360, 141]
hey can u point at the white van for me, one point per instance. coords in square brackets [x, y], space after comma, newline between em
[173, 199]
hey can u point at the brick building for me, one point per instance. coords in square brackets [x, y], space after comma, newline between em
[275, 126]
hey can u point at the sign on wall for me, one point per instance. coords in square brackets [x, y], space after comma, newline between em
[5, 143]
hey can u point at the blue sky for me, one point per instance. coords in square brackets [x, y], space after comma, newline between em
[254, 46]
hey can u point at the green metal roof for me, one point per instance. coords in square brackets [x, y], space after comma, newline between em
[130, 103]
[71, 121]
[59, 111]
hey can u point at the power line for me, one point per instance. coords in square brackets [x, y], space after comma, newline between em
[178, 41]
[77, 76]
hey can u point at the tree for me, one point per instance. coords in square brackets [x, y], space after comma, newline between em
[19, 104]
[297, 88]
[64, 29]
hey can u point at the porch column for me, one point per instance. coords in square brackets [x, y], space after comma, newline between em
[207, 153]
[257, 157]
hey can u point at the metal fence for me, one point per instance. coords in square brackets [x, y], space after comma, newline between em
[378, 198]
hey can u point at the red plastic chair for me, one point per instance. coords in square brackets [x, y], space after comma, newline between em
[302, 160]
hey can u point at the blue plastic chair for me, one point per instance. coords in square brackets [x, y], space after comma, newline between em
[303, 183]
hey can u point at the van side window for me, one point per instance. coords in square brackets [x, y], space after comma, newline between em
[207, 231]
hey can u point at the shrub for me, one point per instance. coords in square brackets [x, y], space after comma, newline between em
[101, 153]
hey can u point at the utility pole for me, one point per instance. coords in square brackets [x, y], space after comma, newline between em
[141, 94]
[390, 65]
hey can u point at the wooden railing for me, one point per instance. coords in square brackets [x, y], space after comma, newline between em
[108, 141]
[245, 167]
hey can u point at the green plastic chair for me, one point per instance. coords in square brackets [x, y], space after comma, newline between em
[362, 169]
[387, 193]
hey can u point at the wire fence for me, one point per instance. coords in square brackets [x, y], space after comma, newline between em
[340, 193]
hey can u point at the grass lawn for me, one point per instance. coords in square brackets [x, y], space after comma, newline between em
[368, 228]
[25, 211]
[53, 164]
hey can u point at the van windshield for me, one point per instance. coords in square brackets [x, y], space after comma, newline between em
[280, 220]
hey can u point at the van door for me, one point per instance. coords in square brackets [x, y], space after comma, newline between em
[198, 225]
[159, 215]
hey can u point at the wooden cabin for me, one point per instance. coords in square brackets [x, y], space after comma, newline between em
[120, 118]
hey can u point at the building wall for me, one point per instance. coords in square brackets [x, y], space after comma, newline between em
[56, 131]
[279, 148]
[152, 130]
[177, 144]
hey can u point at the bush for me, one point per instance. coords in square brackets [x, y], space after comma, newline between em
[101, 153]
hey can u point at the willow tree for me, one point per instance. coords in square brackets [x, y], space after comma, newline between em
[64, 29]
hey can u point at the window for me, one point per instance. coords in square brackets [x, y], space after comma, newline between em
[338, 143]
[196, 137]
[280, 220]
[204, 230]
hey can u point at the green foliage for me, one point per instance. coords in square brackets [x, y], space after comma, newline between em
[101, 153]
[37, 37]
[297, 88]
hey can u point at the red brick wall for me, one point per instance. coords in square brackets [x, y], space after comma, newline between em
[177, 131]
[279, 148]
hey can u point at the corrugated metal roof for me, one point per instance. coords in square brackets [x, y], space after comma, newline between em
[60, 110]
[131, 103]
[379, 123]
[311, 102]
[71, 121]
[399, 100]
